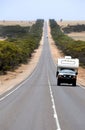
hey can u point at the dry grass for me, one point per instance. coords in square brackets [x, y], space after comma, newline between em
[74, 35]
[77, 36]
[21, 23]
[66, 23]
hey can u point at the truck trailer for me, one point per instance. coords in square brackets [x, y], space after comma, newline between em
[67, 70]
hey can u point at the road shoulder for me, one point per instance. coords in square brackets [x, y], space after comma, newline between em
[11, 79]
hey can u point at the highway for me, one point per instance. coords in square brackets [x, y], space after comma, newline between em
[39, 104]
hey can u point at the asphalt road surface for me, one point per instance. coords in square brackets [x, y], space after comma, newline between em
[39, 104]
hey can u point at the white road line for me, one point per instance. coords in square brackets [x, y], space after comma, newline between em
[22, 83]
[54, 108]
[10, 93]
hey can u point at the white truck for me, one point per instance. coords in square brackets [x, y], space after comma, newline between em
[67, 70]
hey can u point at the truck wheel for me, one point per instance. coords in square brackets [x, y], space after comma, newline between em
[74, 83]
[58, 82]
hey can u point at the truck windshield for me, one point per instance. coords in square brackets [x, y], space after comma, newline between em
[67, 71]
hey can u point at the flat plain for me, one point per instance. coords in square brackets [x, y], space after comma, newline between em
[74, 35]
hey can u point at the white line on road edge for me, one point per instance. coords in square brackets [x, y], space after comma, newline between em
[18, 86]
[53, 106]
[14, 89]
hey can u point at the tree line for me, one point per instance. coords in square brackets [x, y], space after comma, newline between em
[74, 28]
[19, 45]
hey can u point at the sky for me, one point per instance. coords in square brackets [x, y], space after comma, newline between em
[42, 9]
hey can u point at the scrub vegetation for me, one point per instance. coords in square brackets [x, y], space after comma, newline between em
[68, 46]
[19, 45]
[74, 28]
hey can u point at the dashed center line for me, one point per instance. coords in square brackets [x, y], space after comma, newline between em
[54, 108]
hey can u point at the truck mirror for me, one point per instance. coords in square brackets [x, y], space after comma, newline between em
[76, 73]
